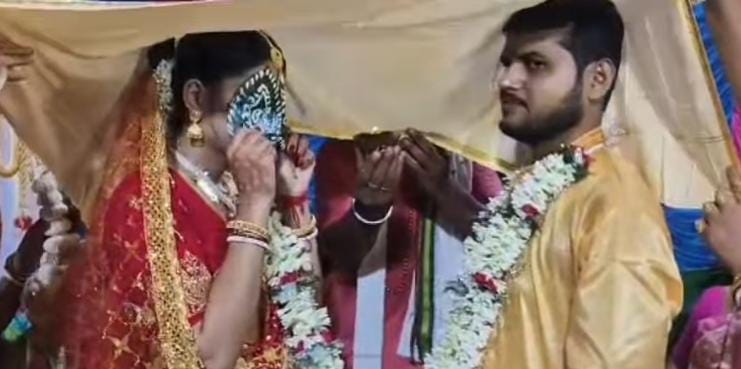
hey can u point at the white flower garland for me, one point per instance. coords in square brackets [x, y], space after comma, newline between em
[292, 283]
[163, 78]
[494, 252]
[290, 274]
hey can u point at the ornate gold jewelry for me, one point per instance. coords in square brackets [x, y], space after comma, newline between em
[20, 156]
[249, 241]
[308, 231]
[276, 56]
[247, 229]
[195, 131]
[216, 193]
[177, 340]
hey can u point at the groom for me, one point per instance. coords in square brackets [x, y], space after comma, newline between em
[598, 286]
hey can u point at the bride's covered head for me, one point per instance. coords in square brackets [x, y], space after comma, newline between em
[209, 71]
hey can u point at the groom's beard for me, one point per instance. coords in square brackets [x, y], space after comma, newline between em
[565, 117]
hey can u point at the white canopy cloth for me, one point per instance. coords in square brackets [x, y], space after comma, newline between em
[356, 66]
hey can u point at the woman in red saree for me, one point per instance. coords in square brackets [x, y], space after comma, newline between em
[161, 286]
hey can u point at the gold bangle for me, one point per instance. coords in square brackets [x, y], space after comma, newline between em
[306, 231]
[247, 229]
[250, 234]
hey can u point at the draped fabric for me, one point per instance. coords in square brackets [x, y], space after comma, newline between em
[111, 306]
[121, 328]
[736, 129]
[421, 63]
[712, 336]
[16, 198]
[725, 91]
[699, 265]
[599, 286]
[690, 249]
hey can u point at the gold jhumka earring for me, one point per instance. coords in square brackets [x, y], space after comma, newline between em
[195, 131]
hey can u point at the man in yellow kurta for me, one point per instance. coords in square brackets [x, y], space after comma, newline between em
[599, 286]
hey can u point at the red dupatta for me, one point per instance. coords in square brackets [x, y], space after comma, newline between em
[154, 247]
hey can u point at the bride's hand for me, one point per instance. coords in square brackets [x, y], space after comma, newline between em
[295, 167]
[251, 160]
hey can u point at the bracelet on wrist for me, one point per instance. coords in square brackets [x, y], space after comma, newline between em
[249, 241]
[308, 232]
[366, 221]
[310, 236]
[287, 202]
[304, 232]
[247, 229]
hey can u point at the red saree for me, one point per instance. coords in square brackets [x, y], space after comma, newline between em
[120, 308]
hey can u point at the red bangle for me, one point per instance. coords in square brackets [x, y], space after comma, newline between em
[287, 202]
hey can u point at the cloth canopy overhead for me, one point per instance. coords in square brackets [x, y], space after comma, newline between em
[358, 66]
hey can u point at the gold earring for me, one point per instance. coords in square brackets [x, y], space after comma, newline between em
[195, 131]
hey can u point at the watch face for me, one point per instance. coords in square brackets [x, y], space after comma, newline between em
[260, 104]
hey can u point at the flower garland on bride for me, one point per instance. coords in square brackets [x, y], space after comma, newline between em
[289, 273]
[292, 283]
[494, 253]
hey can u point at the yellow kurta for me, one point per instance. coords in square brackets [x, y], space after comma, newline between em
[600, 285]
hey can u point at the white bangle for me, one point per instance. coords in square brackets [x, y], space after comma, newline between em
[371, 222]
[249, 241]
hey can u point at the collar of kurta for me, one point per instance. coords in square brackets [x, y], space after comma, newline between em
[590, 140]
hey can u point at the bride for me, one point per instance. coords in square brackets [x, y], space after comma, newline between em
[186, 267]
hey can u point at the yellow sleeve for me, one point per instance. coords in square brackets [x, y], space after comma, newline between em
[628, 291]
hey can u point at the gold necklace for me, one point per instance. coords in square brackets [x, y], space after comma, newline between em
[213, 192]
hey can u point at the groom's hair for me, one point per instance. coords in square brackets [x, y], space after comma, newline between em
[593, 29]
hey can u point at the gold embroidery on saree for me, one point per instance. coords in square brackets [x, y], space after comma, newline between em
[196, 283]
[269, 358]
[178, 344]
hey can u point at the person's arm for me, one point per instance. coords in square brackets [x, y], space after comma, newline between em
[457, 209]
[20, 266]
[722, 227]
[10, 299]
[295, 171]
[725, 20]
[722, 230]
[628, 290]
[345, 239]
[346, 242]
[232, 315]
